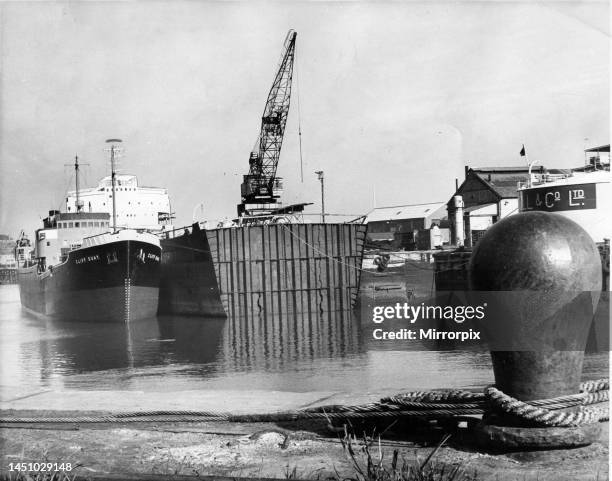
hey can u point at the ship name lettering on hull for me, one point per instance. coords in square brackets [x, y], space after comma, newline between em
[85, 259]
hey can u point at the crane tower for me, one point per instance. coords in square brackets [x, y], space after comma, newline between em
[261, 189]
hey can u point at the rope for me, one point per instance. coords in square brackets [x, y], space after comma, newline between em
[415, 404]
[237, 418]
[542, 416]
[321, 252]
[297, 91]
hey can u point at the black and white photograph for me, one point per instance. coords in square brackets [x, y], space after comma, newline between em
[308, 239]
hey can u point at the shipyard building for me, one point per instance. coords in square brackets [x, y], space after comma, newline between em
[488, 195]
[408, 227]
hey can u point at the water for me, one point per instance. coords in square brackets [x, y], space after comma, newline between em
[328, 353]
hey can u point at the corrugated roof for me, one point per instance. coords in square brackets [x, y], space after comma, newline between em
[601, 148]
[503, 170]
[504, 188]
[397, 212]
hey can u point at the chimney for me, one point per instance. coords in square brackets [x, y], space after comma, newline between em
[467, 168]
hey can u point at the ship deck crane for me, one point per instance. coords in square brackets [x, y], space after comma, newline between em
[261, 189]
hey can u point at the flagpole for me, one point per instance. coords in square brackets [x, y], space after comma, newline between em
[523, 153]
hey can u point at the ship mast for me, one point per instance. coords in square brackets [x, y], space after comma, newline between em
[78, 204]
[76, 181]
[113, 149]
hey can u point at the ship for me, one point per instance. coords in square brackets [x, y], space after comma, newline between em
[266, 261]
[583, 194]
[86, 267]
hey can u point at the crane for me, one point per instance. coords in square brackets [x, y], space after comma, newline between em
[261, 189]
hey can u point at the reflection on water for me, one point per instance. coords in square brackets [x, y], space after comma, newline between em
[322, 352]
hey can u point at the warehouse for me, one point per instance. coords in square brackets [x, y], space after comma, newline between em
[408, 227]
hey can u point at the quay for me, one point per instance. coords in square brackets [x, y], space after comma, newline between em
[185, 450]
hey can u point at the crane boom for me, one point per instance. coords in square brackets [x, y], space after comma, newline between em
[260, 187]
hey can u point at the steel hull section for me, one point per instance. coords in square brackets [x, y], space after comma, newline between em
[262, 270]
[188, 283]
[117, 281]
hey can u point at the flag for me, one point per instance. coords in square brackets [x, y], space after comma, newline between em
[522, 152]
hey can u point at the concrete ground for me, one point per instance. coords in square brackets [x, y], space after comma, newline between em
[307, 450]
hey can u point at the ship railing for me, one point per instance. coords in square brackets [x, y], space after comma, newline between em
[262, 219]
[101, 238]
[541, 179]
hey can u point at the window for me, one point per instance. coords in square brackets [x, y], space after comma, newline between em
[77, 224]
[70, 225]
[48, 243]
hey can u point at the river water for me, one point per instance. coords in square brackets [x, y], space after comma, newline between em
[322, 353]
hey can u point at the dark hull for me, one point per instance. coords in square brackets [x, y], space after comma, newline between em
[116, 281]
[188, 283]
[262, 270]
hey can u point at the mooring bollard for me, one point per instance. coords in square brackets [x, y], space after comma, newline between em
[540, 275]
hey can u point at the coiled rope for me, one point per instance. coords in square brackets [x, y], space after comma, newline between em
[416, 404]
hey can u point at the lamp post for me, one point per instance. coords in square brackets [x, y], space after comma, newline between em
[322, 179]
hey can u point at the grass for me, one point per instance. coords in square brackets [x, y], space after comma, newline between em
[372, 465]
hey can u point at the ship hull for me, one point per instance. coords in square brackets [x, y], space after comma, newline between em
[262, 270]
[188, 284]
[111, 282]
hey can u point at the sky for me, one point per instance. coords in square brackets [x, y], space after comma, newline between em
[395, 98]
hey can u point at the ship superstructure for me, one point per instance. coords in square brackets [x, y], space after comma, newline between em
[137, 207]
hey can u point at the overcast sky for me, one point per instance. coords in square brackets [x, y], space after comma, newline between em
[395, 98]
